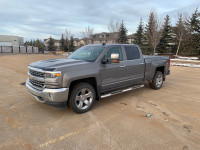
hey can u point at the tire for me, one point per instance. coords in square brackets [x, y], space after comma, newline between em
[82, 98]
[157, 81]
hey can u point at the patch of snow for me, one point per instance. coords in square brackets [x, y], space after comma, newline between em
[66, 54]
[186, 60]
[186, 65]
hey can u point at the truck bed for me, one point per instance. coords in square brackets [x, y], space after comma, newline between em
[152, 62]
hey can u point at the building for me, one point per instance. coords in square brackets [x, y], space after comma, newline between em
[130, 38]
[6, 40]
[56, 42]
[108, 38]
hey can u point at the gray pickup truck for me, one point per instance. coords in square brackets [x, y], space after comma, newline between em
[93, 72]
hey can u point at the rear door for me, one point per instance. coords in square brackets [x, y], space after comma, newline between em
[113, 74]
[135, 64]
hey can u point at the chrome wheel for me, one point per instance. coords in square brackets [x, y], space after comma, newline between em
[159, 80]
[84, 98]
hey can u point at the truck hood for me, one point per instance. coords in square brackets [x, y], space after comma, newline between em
[52, 64]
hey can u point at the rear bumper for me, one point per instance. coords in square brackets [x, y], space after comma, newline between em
[49, 96]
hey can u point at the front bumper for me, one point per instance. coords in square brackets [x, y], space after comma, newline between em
[49, 96]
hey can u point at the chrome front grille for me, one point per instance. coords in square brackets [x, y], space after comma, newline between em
[36, 83]
[37, 73]
[36, 78]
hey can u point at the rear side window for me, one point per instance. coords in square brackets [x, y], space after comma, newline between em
[132, 52]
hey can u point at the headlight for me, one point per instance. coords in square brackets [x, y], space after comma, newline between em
[53, 75]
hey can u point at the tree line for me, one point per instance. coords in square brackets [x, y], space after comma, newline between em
[181, 39]
[37, 43]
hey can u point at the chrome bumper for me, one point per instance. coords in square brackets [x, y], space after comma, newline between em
[48, 95]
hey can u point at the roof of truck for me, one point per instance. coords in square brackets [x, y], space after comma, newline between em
[106, 45]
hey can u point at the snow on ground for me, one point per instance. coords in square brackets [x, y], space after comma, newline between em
[188, 58]
[186, 65]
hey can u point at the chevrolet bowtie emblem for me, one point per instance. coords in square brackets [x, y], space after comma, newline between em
[30, 77]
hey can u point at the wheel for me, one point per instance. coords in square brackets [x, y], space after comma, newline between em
[157, 81]
[82, 98]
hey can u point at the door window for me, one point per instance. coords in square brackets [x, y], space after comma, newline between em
[114, 50]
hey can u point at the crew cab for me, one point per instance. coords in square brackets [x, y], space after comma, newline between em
[93, 72]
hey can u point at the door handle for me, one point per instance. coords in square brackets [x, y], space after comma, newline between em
[141, 63]
[122, 66]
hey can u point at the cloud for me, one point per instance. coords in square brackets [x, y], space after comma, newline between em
[41, 19]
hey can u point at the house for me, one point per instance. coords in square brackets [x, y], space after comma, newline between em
[56, 42]
[85, 41]
[108, 38]
[130, 38]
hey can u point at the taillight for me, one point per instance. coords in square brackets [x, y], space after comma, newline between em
[169, 62]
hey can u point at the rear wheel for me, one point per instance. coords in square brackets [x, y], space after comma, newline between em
[82, 97]
[157, 81]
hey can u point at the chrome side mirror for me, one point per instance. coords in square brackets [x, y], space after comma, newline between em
[114, 58]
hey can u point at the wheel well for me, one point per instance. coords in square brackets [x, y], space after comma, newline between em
[161, 69]
[92, 81]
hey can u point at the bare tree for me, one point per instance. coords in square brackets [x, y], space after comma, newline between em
[87, 32]
[68, 34]
[153, 31]
[113, 26]
[180, 31]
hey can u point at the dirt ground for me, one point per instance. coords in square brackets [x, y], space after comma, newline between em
[116, 122]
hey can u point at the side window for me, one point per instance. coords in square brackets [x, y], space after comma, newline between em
[116, 50]
[132, 52]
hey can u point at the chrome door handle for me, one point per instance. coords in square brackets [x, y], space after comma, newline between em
[141, 63]
[122, 66]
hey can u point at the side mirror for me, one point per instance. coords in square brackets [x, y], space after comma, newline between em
[104, 61]
[114, 58]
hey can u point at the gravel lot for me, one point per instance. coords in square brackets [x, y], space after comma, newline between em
[116, 122]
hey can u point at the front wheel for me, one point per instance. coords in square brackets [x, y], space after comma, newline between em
[157, 81]
[82, 97]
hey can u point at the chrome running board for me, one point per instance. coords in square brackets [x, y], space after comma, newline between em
[122, 91]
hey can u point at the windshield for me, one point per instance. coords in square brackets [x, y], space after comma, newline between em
[87, 53]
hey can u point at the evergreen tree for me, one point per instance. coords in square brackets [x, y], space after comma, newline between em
[192, 44]
[62, 43]
[152, 35]
[40, 45]
[31, 43]
[139, 37]
[180, 32]
[166, 41]
[122, 37]
[27, 43]
[51, 43]
[71, 44]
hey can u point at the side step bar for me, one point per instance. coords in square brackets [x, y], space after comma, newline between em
[122, 91]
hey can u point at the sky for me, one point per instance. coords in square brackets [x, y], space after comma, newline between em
[41, 19]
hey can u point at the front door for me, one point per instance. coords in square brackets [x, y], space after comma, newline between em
[113, 74]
